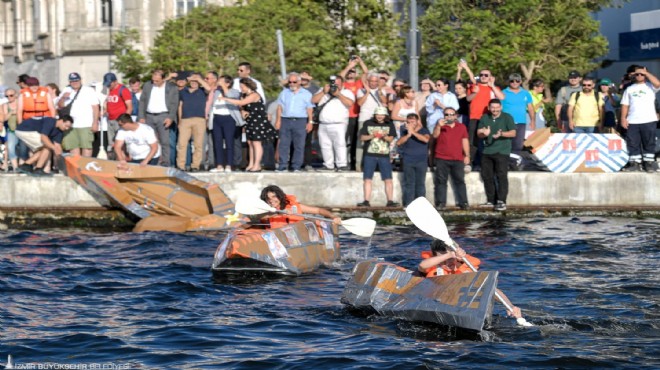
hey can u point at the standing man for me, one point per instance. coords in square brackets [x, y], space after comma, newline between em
[639, 117]
[85, 110]
[191, 122]
[414, 146]
[586, 109]
[497, 129]
[294, 121]
[244, 71]
[452, 154]
[307, 84]
[479, 95]
[159, 105]
[563, 96]
[353, 83]
[518, 103]
[369, 98]
[335, 101]
[118, 102]
[141, 143]
[136, 91]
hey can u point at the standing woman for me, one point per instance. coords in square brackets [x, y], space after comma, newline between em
[402, 108]
[224, 119]
[426, 88]
[539, 99]
[612, 103]
[258, 128]
[463, 104]
[10, 121]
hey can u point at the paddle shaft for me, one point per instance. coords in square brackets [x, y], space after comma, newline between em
[497, 295]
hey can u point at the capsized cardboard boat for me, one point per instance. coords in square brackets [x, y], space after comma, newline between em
[293, 249]
[162, 198]
[462, 300]
[567, 153]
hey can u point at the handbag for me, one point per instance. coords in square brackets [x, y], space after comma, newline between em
[316, 113]
[66, 110]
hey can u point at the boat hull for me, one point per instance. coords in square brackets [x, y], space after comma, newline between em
[163, 198]
[293, 249]
[462, 301]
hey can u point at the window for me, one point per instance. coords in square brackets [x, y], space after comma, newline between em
[182, 7]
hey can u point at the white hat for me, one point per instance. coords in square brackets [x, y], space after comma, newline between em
[381, 110]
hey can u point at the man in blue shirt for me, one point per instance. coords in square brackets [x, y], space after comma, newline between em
[518, 103]
[43, 137]
[294, 121]
[192, 122]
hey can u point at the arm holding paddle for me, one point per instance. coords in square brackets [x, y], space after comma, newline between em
[320, 211]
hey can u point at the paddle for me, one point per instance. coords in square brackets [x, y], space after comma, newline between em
[254, 206]
[421, 212]
[102, 153]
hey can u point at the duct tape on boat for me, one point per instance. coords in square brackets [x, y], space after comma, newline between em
[276, 247]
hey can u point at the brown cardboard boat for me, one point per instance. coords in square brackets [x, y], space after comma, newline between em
[294, 249]
[161, 198]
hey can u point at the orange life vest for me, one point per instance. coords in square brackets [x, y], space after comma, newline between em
[446, 271]
[35, 104]
[280, 220]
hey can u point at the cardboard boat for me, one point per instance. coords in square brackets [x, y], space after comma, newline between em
[567, 153]
[294, 249]
[162, 198]
[462, 301]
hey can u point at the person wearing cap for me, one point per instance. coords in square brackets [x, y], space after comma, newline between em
[353, 83]
[612, 103]
[118, 101]
[639, 117]
[377, 134]
[586, 109]
[518, 103]
[43, 137]
[85, 110]
[191, 123]
[563, 96]
[158, 108]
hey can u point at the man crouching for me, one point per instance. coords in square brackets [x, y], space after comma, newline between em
[43, 137]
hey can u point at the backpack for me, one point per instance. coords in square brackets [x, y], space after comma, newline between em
[134, 100]
[596, 95]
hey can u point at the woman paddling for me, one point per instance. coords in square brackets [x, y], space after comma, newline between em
[276, 198]
[441, 260]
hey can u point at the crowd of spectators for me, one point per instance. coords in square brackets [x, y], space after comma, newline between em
[362, 119]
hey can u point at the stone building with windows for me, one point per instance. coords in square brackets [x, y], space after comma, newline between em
[49, 39]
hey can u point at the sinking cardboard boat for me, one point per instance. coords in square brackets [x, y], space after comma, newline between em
[162, 198]
[462, 301]
[294, 249]
[567, 153]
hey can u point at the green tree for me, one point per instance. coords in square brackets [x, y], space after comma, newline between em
[128, 60]
[219, 38]
[538, 38]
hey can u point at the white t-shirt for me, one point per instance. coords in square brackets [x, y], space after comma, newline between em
[81, 111]
[138, 142]
[640, 98]
[369, 107]
[335, 111]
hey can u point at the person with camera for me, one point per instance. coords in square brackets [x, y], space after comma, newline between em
[333, 103]
[353, 83]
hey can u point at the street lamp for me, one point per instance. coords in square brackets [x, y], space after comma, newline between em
[106, 18]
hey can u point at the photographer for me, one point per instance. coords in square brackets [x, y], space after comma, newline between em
[333, 101]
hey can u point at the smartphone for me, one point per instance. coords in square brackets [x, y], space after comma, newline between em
[463, 60]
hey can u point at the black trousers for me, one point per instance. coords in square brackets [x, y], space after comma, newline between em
[494, 171]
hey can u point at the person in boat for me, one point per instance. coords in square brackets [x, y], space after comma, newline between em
[442, 260]
[276, 198]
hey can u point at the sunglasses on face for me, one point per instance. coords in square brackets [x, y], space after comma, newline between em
[636, 74]
[450, 114]
[10, 95]
[293, 82]
[587, 85]
[518, 81]
[484, 75]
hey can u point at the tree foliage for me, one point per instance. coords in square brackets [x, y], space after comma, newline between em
[537, 38]
[128, 60]
[219, 38]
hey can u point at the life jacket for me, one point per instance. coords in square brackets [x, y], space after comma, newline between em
[280, 220]
[35, 104]
[446, 271]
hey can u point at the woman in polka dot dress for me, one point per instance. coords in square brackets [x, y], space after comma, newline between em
[258, 128]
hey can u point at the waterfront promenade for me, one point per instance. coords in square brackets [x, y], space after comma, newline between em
[343, 190]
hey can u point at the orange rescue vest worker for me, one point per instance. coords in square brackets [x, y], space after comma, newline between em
[276, 198]
[34, 102]
[442, 260]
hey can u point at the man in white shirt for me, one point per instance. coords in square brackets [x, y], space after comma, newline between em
[639, 117]
[85, 110]
[141, 143]
[244, 70]
[333, 122]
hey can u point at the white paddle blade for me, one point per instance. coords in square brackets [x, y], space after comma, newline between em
[422, 213]
[360, 226]
[522, 322]
[252, 206]
[102, 154]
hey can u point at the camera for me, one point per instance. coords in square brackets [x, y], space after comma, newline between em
[353, 57]
[333, 84]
